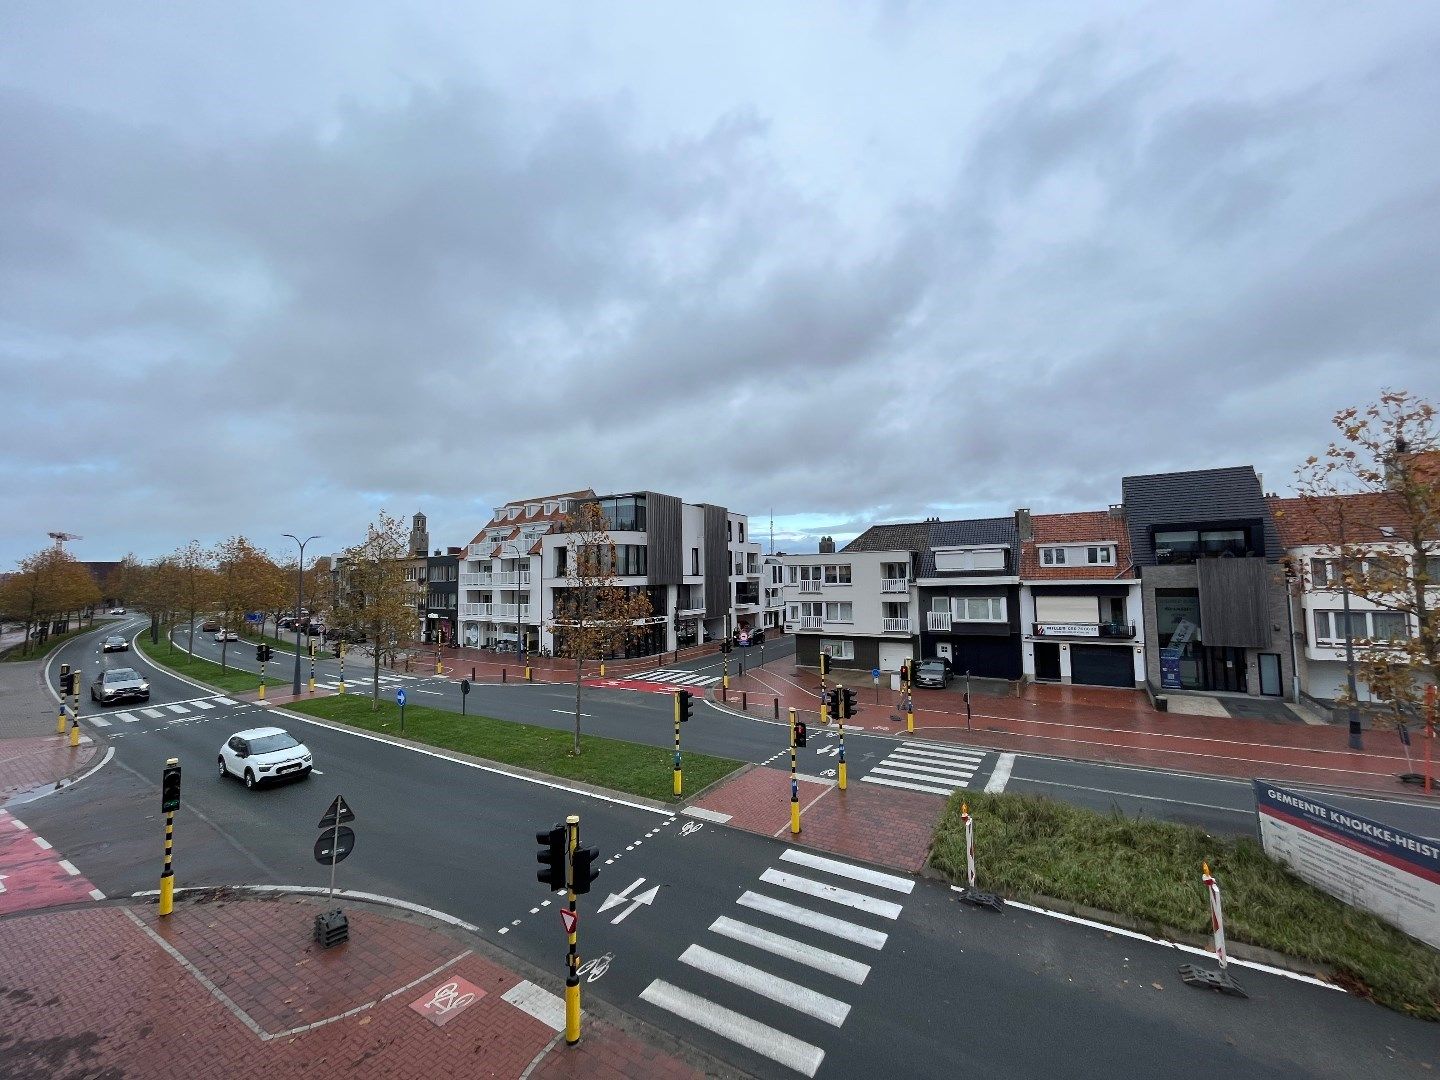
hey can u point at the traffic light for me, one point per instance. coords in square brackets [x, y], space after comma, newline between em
[170, 787]
[799, 733]
[262, 653]
[832, 702]
[824, 664]
[64, 683]
[847, 704]
[725, 645]
[552, 857]
[904, 671]
[683, 704]
[584, 870]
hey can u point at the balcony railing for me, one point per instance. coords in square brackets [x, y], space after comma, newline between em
[476, 581]
[895, 584]
[513, 577]
[809, 586]
[810, 622]
[476, 611]
[937, 620]
[1100, 630]
[895, 626]
[478, 551]
[1189, 551]
[507, 611]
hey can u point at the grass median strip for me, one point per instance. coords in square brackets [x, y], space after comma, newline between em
[1150, 870]
[174, 657]
[611, 763]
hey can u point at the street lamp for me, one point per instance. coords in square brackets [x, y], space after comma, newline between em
[519, 647]
[299, 602]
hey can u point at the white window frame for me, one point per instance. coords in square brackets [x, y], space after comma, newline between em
[838, 648]
[842, 615]
[1100, 555]
[1052, 556]
[961, 612]
[832, 574]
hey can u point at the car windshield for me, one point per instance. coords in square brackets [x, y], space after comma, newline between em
[115, 641]
[123, 674]
[931, 669]
[269, 744]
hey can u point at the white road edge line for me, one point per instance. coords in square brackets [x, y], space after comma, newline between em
[1135, 795]
[706, 815]
[1000, 775]
[737, 1027]
[1192, 949]
[316, 890]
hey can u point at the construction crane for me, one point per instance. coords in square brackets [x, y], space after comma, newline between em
[61, 537]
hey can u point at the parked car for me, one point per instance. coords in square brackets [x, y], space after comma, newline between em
[285, 623]
[119, 684]
[227, 635]
[210, 624]
[115, 643]
[258, 755]
[932, 673]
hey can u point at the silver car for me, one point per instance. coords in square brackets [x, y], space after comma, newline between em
[115, 643]
[119, 684]
[932, 673]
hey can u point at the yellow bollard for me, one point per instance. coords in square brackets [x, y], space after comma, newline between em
[75, 733]
[602, 669]
[572, 1014]
[439, 668]
[262, 690]
[60, 721]
[167, 895]
[528, 676]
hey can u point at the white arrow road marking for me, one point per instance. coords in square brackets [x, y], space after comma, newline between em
[616, 899]
[623, 895]
[832, 750]
[647, 898]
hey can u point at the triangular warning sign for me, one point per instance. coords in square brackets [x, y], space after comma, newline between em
[339, 807]
[568, 919]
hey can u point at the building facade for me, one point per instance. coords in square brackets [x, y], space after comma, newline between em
[442, 603]
[857, 606]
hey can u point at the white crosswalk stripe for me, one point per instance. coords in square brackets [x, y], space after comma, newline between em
[223, 701]
[202, 704]
[129, 718]
[99, 721]
[752, 952]
[936, 770]
[154, 714]
[181, 709]
[674, 677]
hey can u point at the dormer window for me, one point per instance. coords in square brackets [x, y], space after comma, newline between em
[1052, 556]
[514, 512]
[550, 507]
[531, 509]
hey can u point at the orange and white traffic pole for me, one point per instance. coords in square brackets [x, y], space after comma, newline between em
[1217, 914]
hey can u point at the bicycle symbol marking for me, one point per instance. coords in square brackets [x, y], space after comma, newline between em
[448, 998]
[593, 969]
[691, 827]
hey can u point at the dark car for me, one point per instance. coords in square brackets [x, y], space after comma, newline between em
[115, 643]
[932, 673]
[210, 624]
[119, 684]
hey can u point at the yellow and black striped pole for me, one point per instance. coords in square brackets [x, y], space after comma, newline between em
[169, 803]
[824, 700]
[75, 708]
[64, 689]
[261, 696]
[843, 711]
[572, 978]
[312, 667]
[794, 783]
[342, 666]
[675, 698]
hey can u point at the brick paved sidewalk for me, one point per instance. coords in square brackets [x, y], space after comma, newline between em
[31, 754]
[232, 984]
[1116, 727]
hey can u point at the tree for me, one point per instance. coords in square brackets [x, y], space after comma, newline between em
[1374, 496]
[594, 617]
[123, 581]
[159, 590]
[195, 566]
[372, 594]
[46, 584]
[246, 580]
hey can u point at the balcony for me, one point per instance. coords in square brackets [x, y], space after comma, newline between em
[476, 611]
[1117, 630]
[1190, 551]
[895, 626]
[507, 611]
[937, 620]
[478, 551]
[809, 586]
[895, 585]
[511, 578]
[810, 622]
[476, 581]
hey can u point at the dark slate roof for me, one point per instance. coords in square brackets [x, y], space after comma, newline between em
[975, 531]
[1186, 498]
[906, 536]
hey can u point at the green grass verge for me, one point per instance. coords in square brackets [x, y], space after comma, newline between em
[179, 661]
[38, 649]
[609, 763]
[1150, 870]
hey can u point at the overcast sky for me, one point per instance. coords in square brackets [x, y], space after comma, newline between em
[268, 268]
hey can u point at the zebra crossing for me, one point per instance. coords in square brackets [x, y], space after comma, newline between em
[939, 770]
[676, 677]
[158, 712]
[386, 681]
[787, 946]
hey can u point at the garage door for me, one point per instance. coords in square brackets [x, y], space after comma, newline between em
[1101, 665]
[993, 658]
[893, 654]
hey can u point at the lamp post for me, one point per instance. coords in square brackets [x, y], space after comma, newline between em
[299, 601]
[519, 647]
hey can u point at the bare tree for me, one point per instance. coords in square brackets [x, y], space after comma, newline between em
[594, 616]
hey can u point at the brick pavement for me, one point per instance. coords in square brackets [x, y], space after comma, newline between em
[31, 754]
[33, 874]
[92, 991]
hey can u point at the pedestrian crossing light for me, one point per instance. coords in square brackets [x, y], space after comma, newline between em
[847, 704]
[584, 870]
[170, 787]
[683, 705]
[551, 856]
[824, 664]
[799, 733]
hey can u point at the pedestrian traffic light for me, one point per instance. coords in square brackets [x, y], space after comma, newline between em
[170, 787]
[904, 671]
[799, 733]
[584, 870]
[64, 683]
[847, 704]
[832, 702]
[824, 664]
[683, 705]
[725, 645]
[552, 857]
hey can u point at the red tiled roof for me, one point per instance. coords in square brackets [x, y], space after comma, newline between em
[1307, 521]
[554, 516]
[1086, 526]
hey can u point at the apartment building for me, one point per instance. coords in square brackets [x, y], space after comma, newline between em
[442, 602]
[856, 605]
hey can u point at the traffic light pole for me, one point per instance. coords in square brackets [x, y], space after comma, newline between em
[342, 663]
[64, 689]
[312, 668]
[824, 701]
[676, 700]
[844, 711]
[170, 802]
[725, 656]
[261, 696]
[75, 707]
[794, 783]
[572, 978]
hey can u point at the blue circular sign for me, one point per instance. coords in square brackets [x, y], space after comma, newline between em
[874, 673]
[400, 697]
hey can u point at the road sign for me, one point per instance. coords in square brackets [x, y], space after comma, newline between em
[335, 845]
[875, 673]
[464, 686]
[400, 697]
[744, 638]
[569, 920]
[340, 807]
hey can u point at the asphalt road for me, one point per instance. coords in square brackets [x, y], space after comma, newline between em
[889, 975]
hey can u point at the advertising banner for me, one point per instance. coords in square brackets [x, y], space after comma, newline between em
[1383, 870]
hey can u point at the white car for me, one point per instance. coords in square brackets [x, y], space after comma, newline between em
[257, 755]
[226, 635]
[117, 611]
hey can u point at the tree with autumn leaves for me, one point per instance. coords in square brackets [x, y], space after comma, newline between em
[594, 616]
[45, 585]
[1373, 496]
[371, 593]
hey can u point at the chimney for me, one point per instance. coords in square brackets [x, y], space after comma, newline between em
[827, 545]
[1117, 510]
[1023, 524]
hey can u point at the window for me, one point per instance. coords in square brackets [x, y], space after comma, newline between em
[1369, 625]
[980, 608]
[838, 574]
[838, 650]
[841, 612]
[812, 609]
[742, 532]
[1099, 556]
[739, 565]
[1432, 568]
[1324, 572]
[1385, 569]
[729, 530]
[561, 568]
[1389, 626]
[794, 613]
[940, 604]
[694, 562]
[1052, 556]
[970, 559]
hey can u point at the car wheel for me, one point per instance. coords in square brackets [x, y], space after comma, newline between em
[249, 780]
[224, 772]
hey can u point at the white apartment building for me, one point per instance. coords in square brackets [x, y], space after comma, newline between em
[859, 606]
